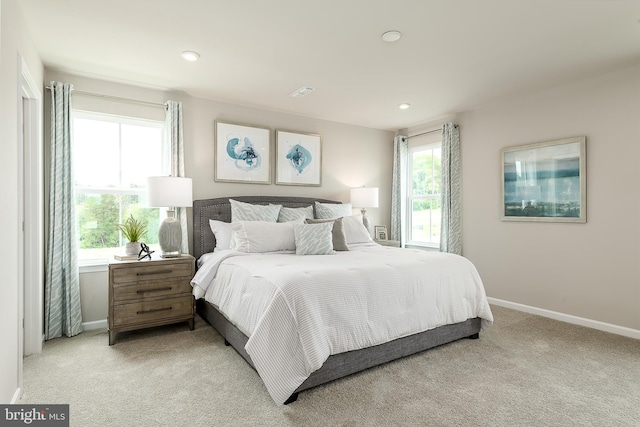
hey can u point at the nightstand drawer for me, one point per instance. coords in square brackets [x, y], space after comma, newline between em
[152, 311]
[151, 272]
[139, 291]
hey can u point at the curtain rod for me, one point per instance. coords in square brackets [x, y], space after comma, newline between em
[115, 98]
[425, 133]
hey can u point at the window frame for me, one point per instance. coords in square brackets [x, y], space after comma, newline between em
[411, 198]
[86, 264]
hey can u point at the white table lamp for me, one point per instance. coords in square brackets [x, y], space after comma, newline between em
[169, 192]
[364, 197]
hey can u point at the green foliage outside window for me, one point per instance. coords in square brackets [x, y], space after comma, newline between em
[425, 203]
[99, 216]
[426, 173]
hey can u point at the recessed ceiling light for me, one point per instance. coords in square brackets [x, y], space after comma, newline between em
[189, 55]
[404, 106]
[391, 36]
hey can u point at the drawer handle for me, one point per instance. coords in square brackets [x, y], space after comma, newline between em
[154, 310]
[148, 273]
[155, 290]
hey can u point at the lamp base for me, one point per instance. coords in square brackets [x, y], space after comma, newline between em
[170, 236]
[170, 255]
[365, 220]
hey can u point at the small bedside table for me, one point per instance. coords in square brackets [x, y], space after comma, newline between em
[394, 243]
[150, 293]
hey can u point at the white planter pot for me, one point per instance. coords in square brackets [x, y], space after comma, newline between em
[132, 248]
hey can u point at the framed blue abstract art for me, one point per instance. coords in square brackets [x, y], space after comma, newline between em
[545, 181]
[242, 153]
[298, 158]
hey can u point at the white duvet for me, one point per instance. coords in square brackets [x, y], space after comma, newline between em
[299, 310]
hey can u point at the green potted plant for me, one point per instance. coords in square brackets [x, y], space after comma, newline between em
[132, 230]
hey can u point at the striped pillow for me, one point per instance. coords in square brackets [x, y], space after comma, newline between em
[338, 235]
[332, 210]
[241, 211]
[314, 239]
[292, 214]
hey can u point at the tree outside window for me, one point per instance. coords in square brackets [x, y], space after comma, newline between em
[424, 208]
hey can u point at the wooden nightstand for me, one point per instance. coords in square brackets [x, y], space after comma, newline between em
[150, 293]
[394, 243]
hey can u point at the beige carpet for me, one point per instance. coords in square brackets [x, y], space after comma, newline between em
[524, 371]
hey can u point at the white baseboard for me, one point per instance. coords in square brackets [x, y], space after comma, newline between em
[98, 324]
[594, 324]
[16, 396]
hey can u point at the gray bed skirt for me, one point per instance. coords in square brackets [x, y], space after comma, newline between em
[343, 364]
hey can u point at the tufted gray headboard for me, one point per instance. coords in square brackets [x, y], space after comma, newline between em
[220, 209]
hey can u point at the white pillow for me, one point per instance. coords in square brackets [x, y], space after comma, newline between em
[332, 210]
[263, 236]
[355, 230]
[241, 211]
[314, 239]
[292, 214]
[222, 232]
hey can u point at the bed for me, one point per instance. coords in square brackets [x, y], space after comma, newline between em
[311, 363]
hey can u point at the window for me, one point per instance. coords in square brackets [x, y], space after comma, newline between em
[112, 158]
[423, 210]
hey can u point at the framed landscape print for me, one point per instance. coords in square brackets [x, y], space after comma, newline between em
[298, 158]
[545, 181]
[242, 153]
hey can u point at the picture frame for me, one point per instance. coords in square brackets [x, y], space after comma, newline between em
[298, 158]
[380, 232]
[242, 153]
[545, 181]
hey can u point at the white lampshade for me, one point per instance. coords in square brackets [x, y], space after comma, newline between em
[169, 191]
[364, 197]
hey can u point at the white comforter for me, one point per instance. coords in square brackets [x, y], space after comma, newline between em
[299, 310]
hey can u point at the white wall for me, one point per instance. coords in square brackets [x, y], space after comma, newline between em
[587, 270]
[352, 156]
[14, 41]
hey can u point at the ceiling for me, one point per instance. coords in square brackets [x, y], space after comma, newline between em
[454, 55]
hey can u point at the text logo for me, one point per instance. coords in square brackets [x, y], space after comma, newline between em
[34, 415]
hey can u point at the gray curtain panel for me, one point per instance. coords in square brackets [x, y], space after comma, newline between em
[173, 130]
[62, 283]
[451, 226]
[399, 188]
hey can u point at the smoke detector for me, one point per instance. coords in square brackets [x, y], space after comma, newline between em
[304, 90]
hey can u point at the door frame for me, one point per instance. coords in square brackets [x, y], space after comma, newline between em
[31, 263]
